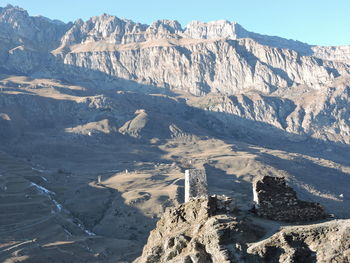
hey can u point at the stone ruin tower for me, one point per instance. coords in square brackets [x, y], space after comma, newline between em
[195, 184]
[275, 200]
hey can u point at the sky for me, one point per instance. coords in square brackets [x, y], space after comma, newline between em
[319, 22]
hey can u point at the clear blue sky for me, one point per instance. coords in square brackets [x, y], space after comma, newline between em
[322, 22]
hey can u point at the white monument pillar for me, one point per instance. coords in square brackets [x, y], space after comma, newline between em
[255, 197]
[195, 184]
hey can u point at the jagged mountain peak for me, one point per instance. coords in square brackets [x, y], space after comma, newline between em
[101, 44]
[12, 8]
[11, 13]
[171, 26]
[123, 31]
[38, 32]
[211, 30]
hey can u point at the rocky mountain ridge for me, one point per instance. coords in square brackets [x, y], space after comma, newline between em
[112, 30]
[218, 57]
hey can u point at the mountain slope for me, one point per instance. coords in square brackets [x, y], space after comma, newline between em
[204, 58]
[111, 112]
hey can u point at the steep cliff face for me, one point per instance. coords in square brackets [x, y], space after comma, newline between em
[232, 30]
[222, 66]
[213, 30]
[220, 57]
[321, 113]
[26, 41]
[18, 28]
[334, 53]
[118, 31]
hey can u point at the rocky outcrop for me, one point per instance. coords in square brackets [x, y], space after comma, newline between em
[135, 126]
[213, 30]
[334, 53]
[26, 41]
[322, 243]
[232, 30]
[277, 201]
[105, 27]
[17, 28]
[212, 230]
[201, 230]
[113, 30]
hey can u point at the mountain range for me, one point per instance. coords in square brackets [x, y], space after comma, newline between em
[138, 104]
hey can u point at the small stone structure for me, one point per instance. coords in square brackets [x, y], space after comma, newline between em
[195, 184]
[277, 201]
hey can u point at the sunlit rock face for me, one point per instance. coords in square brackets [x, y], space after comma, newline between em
[287, 84]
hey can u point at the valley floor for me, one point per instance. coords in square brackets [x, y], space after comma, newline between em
[51, 211]
[54, 209]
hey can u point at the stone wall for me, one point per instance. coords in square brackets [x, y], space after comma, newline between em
[277, 201]
[195, 184]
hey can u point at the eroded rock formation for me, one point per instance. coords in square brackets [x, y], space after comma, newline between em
[212, 230]
[321, 243]
[201, 230]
